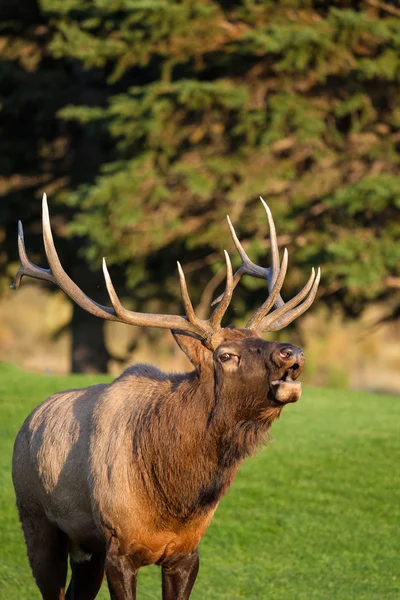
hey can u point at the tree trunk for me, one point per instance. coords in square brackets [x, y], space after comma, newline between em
[88, 350]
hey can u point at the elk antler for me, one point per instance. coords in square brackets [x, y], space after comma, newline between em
[56, 274]
[284, 313]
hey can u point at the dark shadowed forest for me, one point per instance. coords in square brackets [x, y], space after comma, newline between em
[146, 122]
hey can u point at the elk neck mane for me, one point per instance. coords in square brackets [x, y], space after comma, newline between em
[188, 446]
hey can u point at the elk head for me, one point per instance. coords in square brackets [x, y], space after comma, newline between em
[239, 358]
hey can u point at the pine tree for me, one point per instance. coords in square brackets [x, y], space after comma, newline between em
[193, 109]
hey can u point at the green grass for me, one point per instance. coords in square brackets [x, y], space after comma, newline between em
[316, 515]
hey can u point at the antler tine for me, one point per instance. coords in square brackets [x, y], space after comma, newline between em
[249, 268]
[27, 267]
[219, 312]
[187, 303]
[274, 251]
[246, 268]
[62, 279]
[112, 294]
[131, 317]
[270, 301]
[284, 315]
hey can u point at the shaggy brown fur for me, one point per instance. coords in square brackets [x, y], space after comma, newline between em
[130, 473]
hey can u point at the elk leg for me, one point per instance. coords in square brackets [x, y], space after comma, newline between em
[178, 577]
[47, 548]
[121, 578]
[121, 573]
[87, 577]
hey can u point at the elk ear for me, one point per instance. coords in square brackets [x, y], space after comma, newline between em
[199, 355]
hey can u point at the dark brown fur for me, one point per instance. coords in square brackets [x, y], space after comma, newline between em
[136, 469]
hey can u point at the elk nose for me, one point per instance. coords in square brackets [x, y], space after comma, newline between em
[289, 355]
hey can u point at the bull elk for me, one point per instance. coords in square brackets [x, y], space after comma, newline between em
[128, 474]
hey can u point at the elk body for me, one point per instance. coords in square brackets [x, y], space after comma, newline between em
[128, 474]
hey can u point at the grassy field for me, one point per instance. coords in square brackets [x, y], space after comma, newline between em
[316, 515]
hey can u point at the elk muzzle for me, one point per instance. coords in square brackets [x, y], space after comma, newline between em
[290, 362]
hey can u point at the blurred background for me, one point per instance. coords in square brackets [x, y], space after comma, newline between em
[148, 121]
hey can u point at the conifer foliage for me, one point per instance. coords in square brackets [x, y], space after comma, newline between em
[165, 115]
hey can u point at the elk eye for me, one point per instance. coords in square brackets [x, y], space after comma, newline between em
[225, 357]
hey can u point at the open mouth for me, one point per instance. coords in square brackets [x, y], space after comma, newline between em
[286, 389]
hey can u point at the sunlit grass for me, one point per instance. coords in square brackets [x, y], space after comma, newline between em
[316, 515]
